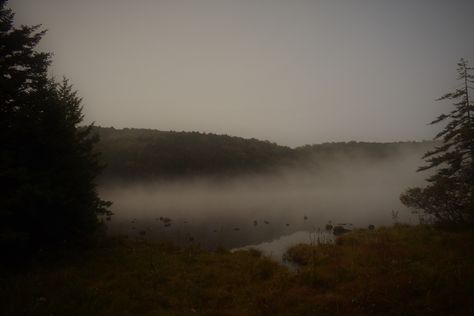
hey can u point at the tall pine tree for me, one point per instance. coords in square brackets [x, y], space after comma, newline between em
[47, 161]
[449, 196]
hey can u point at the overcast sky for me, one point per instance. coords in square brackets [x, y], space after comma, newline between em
[289, 71]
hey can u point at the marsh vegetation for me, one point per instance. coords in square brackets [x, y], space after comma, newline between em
[391, 271]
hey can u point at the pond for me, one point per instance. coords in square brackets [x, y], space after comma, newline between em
[256, 209]
[275, 249]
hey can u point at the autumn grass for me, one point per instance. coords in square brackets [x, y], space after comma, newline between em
[389, 271]
[399, 270]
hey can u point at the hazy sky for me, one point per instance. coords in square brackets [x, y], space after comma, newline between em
[293, 71]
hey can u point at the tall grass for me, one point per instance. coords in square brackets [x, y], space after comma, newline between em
[390, 271]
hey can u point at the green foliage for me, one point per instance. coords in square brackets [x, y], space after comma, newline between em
[449, 196]
[47, 162]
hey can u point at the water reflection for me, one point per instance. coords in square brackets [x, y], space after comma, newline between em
[251, 210]
[275, 249]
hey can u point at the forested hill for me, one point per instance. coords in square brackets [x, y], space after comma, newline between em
[141, 154]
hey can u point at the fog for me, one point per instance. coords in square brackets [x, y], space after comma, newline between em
[232, 213]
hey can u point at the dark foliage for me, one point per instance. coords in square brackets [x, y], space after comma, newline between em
[449, 196]
[141, 154]
[47, 163]
[367, 151]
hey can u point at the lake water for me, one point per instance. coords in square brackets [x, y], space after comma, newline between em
[256, 210]
[276, 248]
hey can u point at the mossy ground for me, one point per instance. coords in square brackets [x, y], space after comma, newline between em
[390, 271]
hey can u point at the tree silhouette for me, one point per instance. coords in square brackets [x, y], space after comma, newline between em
[449, 197]
[47, 161]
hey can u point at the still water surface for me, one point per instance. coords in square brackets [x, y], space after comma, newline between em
[270, 213]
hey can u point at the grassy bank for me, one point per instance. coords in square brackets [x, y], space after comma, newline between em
[390, 271]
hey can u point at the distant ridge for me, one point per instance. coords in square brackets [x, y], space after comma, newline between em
[146, 154]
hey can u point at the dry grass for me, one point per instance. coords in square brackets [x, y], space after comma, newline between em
[399, 270]
[390, 271]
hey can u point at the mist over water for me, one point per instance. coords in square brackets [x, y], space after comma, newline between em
[250, 210]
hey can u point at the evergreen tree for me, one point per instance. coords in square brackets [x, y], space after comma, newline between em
[47, 161]
[449, 196]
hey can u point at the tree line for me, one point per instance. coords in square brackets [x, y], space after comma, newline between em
[145, 154]
[48, 163]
